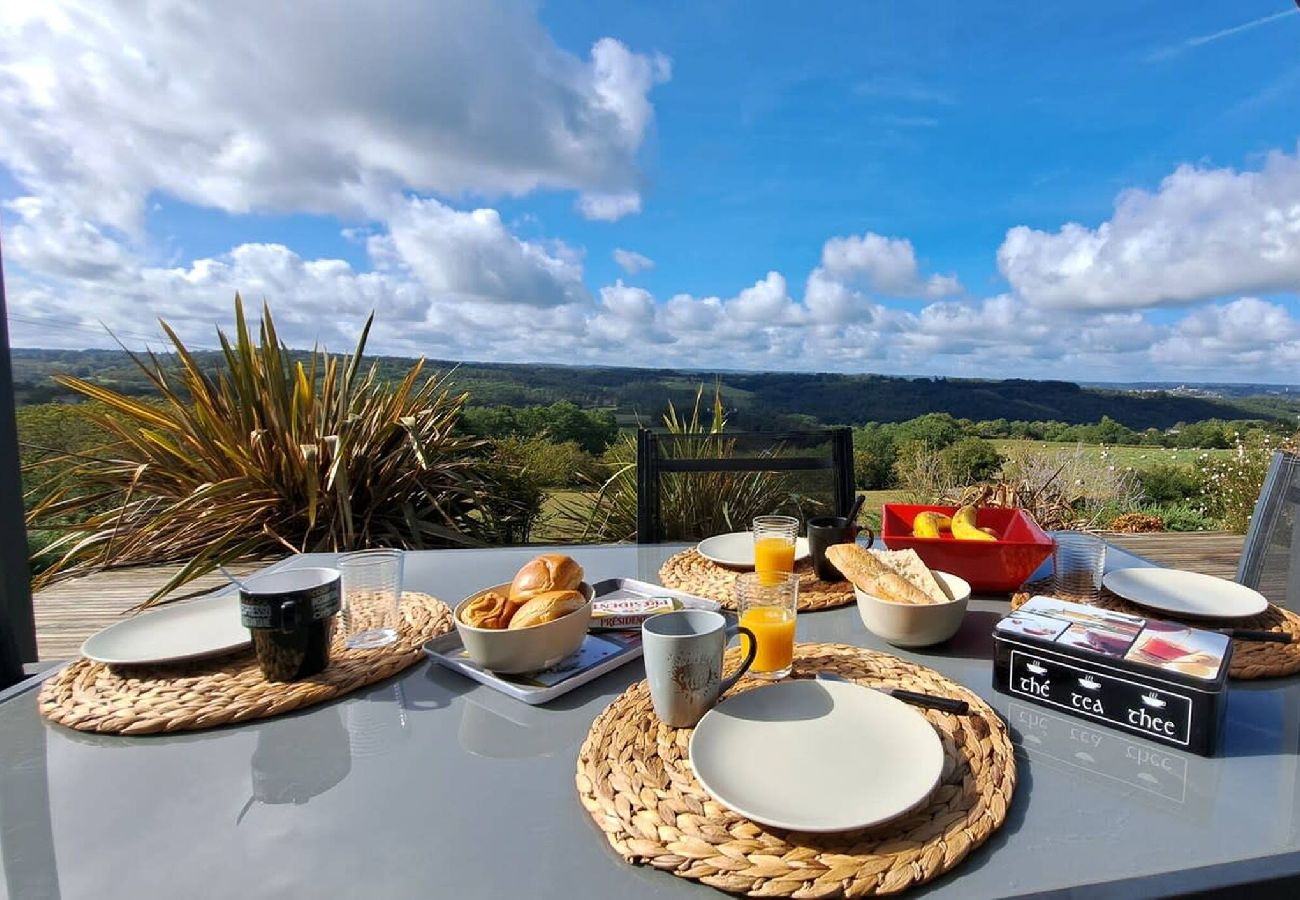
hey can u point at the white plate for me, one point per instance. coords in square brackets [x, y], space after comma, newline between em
[737, 549]
[190, 630]
[816, 756]
[1186, 593]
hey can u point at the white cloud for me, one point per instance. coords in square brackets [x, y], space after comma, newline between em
[632, 262]
[883, 264]
[1202, 39]
[1205, 233]
[312, 106]
[51, 239]
[472, 256]
[609, 207]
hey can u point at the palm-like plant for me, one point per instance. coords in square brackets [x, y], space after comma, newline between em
[692, 504]
[268, 455]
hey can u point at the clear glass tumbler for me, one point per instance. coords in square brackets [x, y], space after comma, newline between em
[372, 594]
[767, 604]
[774, 540]
[1078, 564]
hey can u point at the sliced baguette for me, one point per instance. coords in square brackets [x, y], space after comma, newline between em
[908, 564]
[872, 575]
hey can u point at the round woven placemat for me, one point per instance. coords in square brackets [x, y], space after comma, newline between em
[688, 571]
[1250, 659]
[92, 696]
[635, 779]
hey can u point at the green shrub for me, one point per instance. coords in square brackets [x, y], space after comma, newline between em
[972, 459]
[1230, 485]
[874, 455]
[270, 455]
[1184, 517]
[1166, 483]
[549, 464]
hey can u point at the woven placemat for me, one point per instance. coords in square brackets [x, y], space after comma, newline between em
[635, 780]
[1250, 659]
[688, 571]
[92, 696]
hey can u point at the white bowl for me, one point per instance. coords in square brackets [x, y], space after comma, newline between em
[512, 652]
[915, 625]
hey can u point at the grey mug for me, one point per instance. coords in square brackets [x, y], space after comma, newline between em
[683, 662]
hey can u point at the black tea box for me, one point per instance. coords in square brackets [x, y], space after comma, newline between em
[1161, 680]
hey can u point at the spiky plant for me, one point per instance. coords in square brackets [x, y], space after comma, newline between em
[692, 504]
[265, 455]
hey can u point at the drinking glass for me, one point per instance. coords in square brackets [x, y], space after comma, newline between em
[372, 593]
[774, 539]
[1078, 563]
[767, 603]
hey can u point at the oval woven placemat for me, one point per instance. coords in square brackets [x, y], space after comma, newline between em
[635, 779]
[688, 571]
[92, 696]
[1250, 659]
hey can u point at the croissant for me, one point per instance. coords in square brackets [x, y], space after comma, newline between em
[491, 610]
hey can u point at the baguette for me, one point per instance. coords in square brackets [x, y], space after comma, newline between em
[872, 575]
[908, 564]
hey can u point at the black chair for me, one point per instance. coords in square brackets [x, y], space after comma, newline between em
[17, 625]
[793, 459]
[1270, 562]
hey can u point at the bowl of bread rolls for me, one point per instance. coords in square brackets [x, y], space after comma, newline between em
[900, 599]
[530, 623]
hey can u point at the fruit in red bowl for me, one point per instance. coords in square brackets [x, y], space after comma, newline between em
[997, 565]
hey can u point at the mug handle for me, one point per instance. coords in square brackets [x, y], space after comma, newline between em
[749, 657]
[871, 536]
[288, 615]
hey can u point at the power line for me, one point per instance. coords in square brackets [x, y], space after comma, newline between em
[64, 324]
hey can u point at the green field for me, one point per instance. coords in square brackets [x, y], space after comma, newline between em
[1127, 456]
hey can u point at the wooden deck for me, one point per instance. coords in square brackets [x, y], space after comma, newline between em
[71, 611]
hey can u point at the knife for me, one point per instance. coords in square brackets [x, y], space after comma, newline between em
[928, 701]
[1247, 634]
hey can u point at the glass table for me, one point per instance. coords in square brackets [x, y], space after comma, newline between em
[432, 785]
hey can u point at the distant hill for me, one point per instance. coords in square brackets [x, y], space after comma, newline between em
[781, 399]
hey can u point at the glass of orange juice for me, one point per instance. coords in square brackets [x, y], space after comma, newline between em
[767, 604]
[774, 540]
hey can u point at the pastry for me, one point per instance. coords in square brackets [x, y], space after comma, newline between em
[548, 572]
[546, 607]
[491, 610]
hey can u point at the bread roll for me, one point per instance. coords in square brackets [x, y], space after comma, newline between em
[488, 611]
[546, 607]
[548, 572]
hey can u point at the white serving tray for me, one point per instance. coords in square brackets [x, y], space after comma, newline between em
[599, 653]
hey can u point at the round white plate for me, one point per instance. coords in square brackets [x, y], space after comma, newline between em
[1185, 593]
[816, 756]
[190, 630]
[736, 549]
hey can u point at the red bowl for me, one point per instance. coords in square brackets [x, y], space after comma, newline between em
[990, 566]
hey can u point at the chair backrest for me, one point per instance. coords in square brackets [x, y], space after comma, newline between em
[1273, 539]
[718, 482]
[17, 623]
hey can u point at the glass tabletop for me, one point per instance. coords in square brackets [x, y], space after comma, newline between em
[434, 785]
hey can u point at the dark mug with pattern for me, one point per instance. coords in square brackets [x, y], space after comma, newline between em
[827, 531]
[291, 614]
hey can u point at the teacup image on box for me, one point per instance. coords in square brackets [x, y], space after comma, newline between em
[1161, 680]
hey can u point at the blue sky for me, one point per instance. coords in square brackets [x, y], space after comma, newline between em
[1100, 192]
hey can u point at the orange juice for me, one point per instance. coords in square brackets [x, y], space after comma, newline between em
[773, 554]
[774, 629]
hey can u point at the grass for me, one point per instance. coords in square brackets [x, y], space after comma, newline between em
[1123, 456]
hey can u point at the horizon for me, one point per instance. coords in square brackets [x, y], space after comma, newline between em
[1035, 192]
[715, 371]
